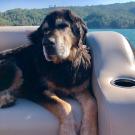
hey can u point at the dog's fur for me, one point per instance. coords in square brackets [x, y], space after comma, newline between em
[57, 64]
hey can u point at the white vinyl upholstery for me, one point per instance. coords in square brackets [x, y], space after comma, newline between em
[113, 59]
[28, 118]
[12, 37]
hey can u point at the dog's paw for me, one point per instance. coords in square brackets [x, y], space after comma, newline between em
[6, 99]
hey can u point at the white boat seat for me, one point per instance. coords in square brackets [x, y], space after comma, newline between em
[113, 82]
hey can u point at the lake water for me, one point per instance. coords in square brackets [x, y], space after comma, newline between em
[128, 33]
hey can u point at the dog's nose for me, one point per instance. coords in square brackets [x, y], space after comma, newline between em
[50, 47]
[48, 42]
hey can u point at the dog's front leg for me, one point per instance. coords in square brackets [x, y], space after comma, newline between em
[63, 111]
[89, 107]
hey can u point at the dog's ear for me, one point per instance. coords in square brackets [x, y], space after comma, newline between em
[78, 26]
[36, 36]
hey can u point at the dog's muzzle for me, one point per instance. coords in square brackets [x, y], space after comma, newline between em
[52, 49]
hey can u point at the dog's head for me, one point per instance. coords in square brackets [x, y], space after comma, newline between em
[60, 32]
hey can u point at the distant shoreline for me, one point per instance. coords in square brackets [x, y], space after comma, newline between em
[113, 16]
[88, 28]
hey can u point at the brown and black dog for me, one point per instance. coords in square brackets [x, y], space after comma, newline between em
[55, 65]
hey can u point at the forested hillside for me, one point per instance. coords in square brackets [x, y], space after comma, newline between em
[102, 16]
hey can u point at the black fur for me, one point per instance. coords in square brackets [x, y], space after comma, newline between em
[36, 69]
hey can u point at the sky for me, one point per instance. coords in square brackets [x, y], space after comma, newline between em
[11, 4]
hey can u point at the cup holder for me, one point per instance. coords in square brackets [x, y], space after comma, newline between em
[124, 82]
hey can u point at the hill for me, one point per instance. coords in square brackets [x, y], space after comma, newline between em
[101, 16]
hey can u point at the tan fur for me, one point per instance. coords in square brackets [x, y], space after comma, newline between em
[89, 107]
[63, 43]
[66, 38]
[63, 111]
[79, 54]
[18, 80]
[7, 96]
[87, 102]
[53, 87]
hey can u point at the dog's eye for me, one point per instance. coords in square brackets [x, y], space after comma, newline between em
[47, 31]
[62, 25]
